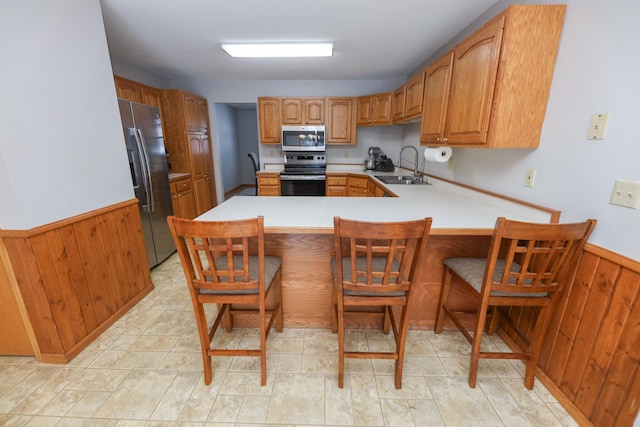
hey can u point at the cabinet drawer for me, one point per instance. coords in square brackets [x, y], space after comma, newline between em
[269, 190]
[182, 185]
[358, 182]
[336, 180]
[269, 180]
[357, 192]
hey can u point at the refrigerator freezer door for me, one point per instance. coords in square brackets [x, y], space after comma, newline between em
[148, 165]
[147, 121]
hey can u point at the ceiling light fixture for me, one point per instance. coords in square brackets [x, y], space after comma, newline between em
[278, 50]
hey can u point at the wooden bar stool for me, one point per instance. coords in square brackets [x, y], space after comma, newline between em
[527, 266]
[373, 267]
[224, 264]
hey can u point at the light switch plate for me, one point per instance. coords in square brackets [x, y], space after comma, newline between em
[626, 193]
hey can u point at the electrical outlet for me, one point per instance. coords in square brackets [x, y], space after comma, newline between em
[272, 153]
[346, 154]
[626, 193]
[530, 177]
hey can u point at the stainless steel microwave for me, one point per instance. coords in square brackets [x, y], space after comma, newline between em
[303, 138]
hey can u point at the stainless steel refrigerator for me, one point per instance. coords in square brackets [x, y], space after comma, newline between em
[149, 172]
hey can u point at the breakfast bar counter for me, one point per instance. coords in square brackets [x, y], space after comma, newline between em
[300, 231]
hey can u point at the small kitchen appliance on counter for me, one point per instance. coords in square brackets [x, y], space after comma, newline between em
[371, 162]
[378, 161]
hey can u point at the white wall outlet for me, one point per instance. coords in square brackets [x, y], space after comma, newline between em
[597, 126]
[530, 177]
[626, 193]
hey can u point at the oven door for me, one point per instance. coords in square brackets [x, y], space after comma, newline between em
[302, 185]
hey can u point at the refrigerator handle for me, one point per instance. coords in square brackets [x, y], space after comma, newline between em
[150, 201]
[144, 165]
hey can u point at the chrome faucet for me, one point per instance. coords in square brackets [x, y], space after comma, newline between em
[415, 163]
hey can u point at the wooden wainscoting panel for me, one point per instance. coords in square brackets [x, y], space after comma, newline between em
[79, 275]
[591, 355]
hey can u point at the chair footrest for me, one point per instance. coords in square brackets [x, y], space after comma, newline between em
[370, 355]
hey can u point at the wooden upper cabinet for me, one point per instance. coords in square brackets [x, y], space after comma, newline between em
[150, 96]
[407, 99]
[314, 111]
[399, 96]
[269, 122]
[303, 111]
[436, 99]
[341, 121]
[190, 105]
[374, 109]
[186, 112]
[292, 113]
[475, 68]
[413, 101]
[202, 107]
[127, 89]
[364, 114]
[500, 82]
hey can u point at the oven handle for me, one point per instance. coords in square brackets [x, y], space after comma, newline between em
[302, 177]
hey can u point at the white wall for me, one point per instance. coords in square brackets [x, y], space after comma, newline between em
[61, 142]
[597, 71]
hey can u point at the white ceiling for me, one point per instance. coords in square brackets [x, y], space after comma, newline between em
[374, 39]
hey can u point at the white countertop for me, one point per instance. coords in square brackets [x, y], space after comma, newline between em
[454, 209]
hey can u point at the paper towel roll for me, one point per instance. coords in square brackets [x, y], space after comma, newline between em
[439, 154]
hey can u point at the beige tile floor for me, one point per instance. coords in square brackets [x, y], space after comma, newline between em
[146, 371]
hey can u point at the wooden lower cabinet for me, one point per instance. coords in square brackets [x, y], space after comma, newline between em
[336, 185]
[182, 199]
[268, 183]
[357, 186]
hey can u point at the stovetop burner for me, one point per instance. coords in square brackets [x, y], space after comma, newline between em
[303, 170]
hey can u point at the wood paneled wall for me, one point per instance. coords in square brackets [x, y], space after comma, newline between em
[75, 277]
[591, 355]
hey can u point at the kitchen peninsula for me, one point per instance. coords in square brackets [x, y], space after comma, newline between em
[300, 231]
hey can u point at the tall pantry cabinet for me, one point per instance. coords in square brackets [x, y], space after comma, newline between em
[188, 144]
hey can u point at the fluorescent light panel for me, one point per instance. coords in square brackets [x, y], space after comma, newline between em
[278, 50]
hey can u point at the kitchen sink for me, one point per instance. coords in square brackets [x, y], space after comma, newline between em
[400, 179]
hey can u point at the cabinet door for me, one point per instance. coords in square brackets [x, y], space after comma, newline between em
[475, 67]
[269, 120]
[195, 155]
[190, 112]
[381, 108]
[202, 195]
[398, 103]
[187, 204]
[206, 154]
[364, 110]
[203, 114]
[127, 89]
[414, 96]
[292, 111]
[150, 96]
[341, 127]
[436, 99]
[314, 111]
